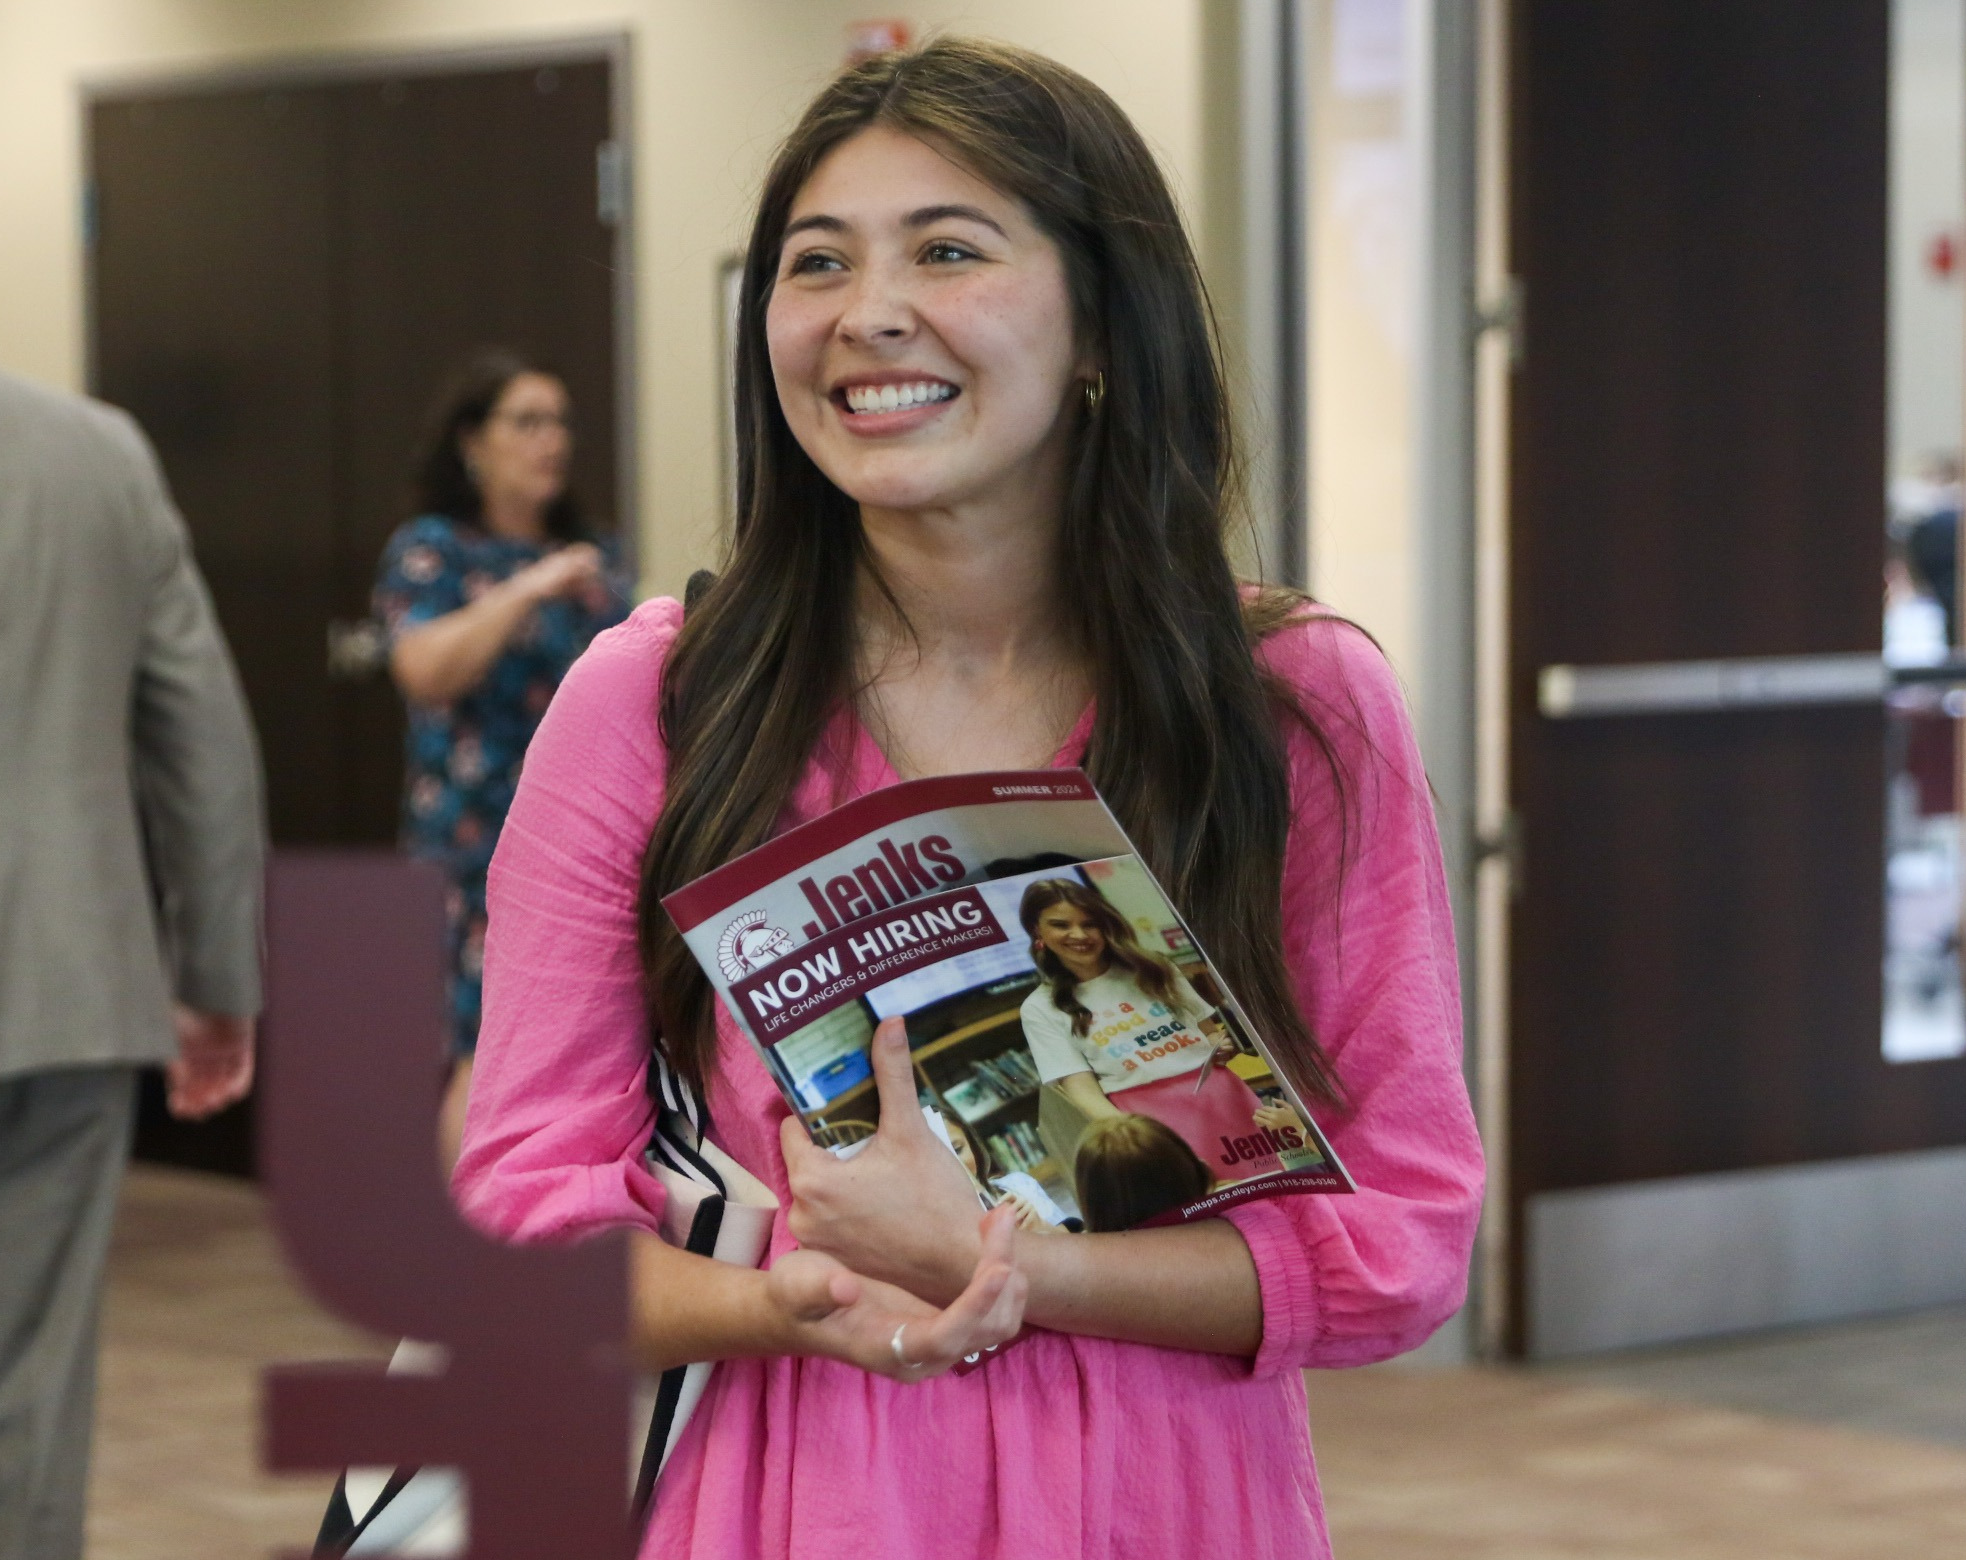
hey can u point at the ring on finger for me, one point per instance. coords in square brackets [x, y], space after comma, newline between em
[900, 1353]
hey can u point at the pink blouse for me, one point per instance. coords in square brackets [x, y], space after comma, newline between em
[1062, 1446]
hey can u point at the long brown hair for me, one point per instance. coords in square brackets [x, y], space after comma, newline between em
[1186, 746]
[1154, 974]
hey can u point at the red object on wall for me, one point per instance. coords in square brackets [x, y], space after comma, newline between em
[1942, 256]
[534, 1403]
[864, 40]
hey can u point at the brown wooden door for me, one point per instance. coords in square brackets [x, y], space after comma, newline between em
[469, 215]
[1698, 456]
[280, 278]
[214, 325]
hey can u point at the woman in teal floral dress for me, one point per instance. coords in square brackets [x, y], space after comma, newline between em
[488, 596]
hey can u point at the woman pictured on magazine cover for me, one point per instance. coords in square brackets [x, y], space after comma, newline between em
[985, 473]
[1120, 1029]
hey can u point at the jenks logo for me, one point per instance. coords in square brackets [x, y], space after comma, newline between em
[893, 876]
[1266, 1141]
[750, 943]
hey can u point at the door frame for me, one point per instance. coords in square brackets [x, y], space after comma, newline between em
[1498, 346]
[339, 67]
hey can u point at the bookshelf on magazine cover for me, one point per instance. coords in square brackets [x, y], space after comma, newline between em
[1071, 1041]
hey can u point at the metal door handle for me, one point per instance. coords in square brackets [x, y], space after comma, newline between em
[1742, 683]
[356, 649]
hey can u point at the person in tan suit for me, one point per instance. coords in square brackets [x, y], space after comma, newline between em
[130, 875]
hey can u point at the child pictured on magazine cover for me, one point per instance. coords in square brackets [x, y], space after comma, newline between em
[1119, 1029]
[1129, 1169]
[1035, 1209]
[985, 477]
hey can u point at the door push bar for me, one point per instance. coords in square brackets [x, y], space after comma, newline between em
[1743, 683]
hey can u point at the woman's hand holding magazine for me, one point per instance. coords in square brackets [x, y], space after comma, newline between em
[902, 1209]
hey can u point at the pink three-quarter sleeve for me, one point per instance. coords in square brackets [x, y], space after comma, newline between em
[559, 1110]
[1347, 1280]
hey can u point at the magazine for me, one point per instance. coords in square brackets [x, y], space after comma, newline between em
[1071, 1041]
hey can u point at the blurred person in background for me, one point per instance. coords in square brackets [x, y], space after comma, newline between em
[1926, 519]
[131, 852]
[1914, 617]
[488, 596]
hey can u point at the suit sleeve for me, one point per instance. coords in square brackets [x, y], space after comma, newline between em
[197, 768]
[1349, 1279]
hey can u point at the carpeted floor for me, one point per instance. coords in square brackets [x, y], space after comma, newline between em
[199, 1299]
[1472, 1464]
[1512, 1465]
[1899, 1375]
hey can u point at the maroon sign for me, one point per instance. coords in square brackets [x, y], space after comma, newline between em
[534, 1404]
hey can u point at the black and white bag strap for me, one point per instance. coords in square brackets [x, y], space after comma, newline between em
[680, 1123]
[676, 1143]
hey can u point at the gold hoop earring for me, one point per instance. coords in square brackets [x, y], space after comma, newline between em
[1095, 392]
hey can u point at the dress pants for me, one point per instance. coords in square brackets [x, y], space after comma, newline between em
[64, 1137]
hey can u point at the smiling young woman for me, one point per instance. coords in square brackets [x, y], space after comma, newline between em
[985, 469]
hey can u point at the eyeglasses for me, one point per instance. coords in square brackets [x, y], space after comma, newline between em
[532, 423]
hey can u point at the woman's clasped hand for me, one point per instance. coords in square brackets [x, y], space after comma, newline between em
[835, 1312]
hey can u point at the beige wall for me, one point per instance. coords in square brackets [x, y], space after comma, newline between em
[1928, 198]
[716, 82]
[1363, 296]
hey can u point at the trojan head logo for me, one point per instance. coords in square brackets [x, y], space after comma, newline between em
[748, 945]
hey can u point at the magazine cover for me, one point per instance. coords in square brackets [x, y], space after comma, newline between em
[1071, 1041]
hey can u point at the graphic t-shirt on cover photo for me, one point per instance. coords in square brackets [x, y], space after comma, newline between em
[1133, 1038]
